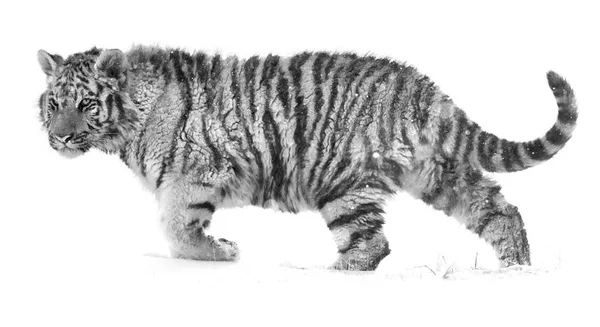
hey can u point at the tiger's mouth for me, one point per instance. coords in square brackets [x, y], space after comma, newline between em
[70, 150]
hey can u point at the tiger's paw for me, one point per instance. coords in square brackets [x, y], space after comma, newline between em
[516, 252]
[208, 249]
[224, 250]
[365, 256]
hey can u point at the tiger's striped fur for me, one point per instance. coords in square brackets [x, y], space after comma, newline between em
[337, 133]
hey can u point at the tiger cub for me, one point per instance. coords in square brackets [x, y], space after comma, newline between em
[333, 132]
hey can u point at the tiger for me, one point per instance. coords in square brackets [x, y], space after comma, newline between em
[337, 133]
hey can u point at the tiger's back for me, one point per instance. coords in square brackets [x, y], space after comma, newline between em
[294, 126]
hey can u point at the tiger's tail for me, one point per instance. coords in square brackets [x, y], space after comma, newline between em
[488, 152]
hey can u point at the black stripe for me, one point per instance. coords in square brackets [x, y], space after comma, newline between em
[555, 136]
[202, 205]
[511, 156]
[109, 105]
[202, 69]
[320, 146]
[216, 154]
[236, 91]
[249, 73]
[283, 93]
[166, 71]
[396, 106]
[536, 150]
[381, 131]
[175, 58]
[507, 155]
[185, 74]
[318, 99]
[482, 146]
[300, 109]
[187, 150]
[210, 86]
[186, 92]
[123, 153]
[217, 67]
[157, 60]
[99, 88]
[140, 152]
[462, 125]
[405, 138]
[418, 116]
[398, 84]
[190, 63]
[82, 86]
[567, 117]
[360, 211]
[250, 67]
[272, 135]
[443, 131]
[330, 64]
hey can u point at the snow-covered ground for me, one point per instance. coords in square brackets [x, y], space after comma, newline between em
[79, 242]
[138, 291]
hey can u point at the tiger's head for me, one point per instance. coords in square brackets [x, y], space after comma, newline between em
[86, 103]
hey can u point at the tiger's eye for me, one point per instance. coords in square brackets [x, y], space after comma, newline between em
[85, 102]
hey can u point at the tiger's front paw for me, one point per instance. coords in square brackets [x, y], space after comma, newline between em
[207, 249]
[224, 250]
[365, 255]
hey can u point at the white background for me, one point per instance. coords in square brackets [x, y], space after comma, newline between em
[79, 240]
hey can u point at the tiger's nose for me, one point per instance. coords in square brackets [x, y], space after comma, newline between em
[64, 138]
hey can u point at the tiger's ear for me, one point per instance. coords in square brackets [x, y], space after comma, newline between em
[48, 62]
[112, 63]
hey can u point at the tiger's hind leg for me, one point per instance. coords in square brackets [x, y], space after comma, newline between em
[185, 216]
[476, 201]
[356, 222]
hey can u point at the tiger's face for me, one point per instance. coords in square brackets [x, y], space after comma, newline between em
[86, 104]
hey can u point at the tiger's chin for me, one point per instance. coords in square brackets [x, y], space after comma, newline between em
[71, 153]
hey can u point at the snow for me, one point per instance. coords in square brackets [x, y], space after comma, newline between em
[79, 240]
[158, 291]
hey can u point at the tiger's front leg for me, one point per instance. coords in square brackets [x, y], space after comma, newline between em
[185, 215]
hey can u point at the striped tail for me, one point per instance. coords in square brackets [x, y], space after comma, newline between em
[492, 154]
